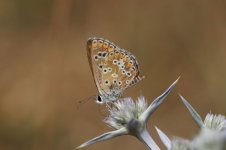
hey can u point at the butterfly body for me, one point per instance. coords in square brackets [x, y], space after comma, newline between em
[114, 69]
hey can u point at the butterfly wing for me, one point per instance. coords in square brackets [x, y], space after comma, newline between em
[93, 58]
[114, 69]
[125, 69]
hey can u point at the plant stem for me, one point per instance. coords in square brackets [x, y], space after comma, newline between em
[147, 140]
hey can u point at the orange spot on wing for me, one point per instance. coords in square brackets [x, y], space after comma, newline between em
[121, 56]
[105, 46]
[110, 57]
[116, 55]
[100, 43]
[133, 72]
[128, 65]
[94, 45]
[110, 48]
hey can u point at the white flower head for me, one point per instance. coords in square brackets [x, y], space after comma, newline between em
[215, 122]
[180, 144]
[209, 139]
[124, 110]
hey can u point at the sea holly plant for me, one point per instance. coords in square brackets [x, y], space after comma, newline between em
[212, 134]
[130, 118]
[127, 117]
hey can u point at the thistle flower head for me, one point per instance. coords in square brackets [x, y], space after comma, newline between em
[215, 122]
[125, 110]
[180, 144]
[209, 139]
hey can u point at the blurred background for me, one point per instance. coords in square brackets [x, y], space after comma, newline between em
[44, 70]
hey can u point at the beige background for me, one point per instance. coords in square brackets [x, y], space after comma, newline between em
[44, 70]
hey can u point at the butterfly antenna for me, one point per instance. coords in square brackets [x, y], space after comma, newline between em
[83, 101]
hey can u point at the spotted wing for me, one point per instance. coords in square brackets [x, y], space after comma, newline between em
[114, 69]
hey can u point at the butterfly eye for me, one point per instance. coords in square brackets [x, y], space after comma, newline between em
[99, 99]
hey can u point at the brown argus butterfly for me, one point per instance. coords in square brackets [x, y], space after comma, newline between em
[114, 69]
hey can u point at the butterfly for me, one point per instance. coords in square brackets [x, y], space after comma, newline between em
[113, 69]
